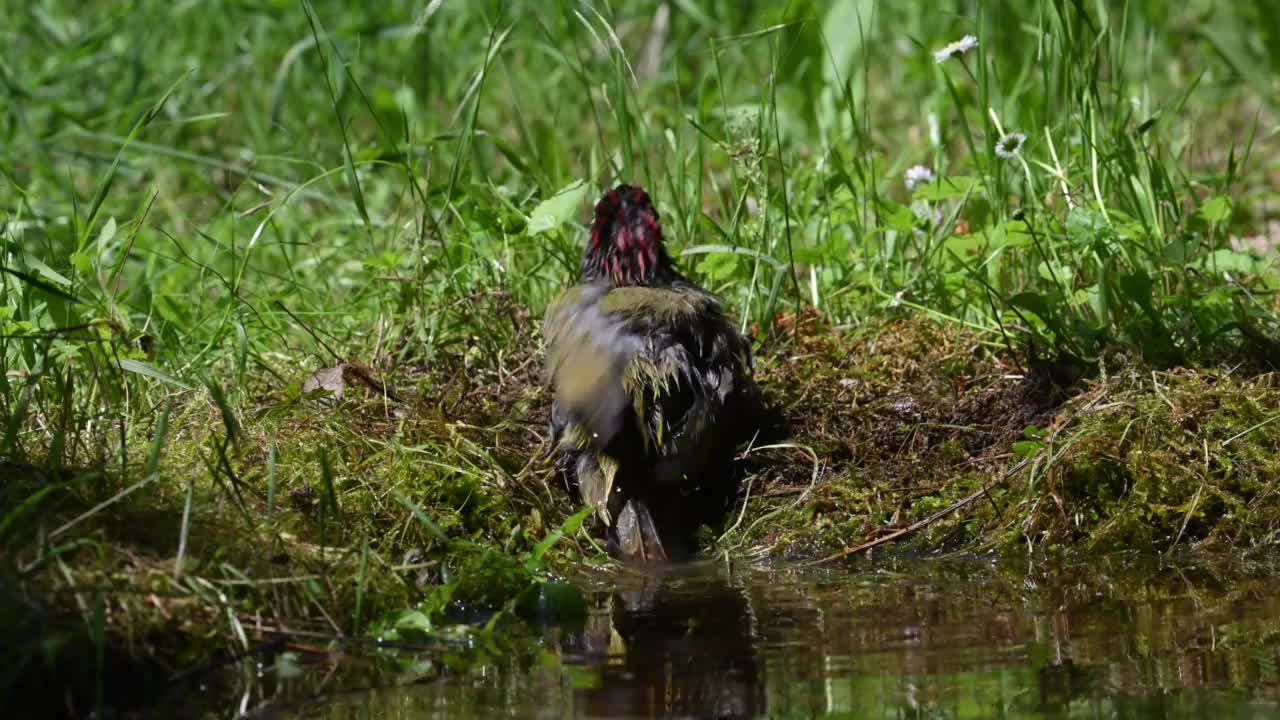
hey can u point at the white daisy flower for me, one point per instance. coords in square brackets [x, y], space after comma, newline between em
[959, 47]
[918, 175]
[1010, 144]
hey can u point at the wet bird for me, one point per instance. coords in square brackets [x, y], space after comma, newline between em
[653, 386]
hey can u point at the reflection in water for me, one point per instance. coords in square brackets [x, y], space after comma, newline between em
[674, 646]
[907, 639]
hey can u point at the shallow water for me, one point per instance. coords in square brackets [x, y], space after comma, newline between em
[890, 639]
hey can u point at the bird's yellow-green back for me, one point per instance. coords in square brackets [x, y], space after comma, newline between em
[651, 380]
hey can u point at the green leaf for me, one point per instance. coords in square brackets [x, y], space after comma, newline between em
[1084, 225]
[557, 209]
[1224, 260]
[82, 263]
[107, 233]
[41, 284]
[151, 371]
[897, 217]
[718, 266]
[1216, 209]
[46, 271]
[1136, 287]
[946, 188]
[842, 28]
[409, 625]
[553, 602]
[1054, 272]
[964, 244]
[1014, 234]
[1034, 302]
[568, 527]
[1176, 252]
[1027, 448]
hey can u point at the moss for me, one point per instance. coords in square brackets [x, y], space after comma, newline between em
[1165, 458]
[910, 419]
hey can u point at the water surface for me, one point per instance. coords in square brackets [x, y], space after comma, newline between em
[887, 639]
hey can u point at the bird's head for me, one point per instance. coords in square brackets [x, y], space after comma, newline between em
[625, 246]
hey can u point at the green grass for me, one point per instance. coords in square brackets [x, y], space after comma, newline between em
[202, 203]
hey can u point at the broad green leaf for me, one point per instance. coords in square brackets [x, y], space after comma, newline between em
[965, 244]
[1084, 225]
[557, 209]
[82, 263]
[1176, 252]
[1054, 272]
[1224, 260]
[897, 217]
[1035, 302]
[1027, 448]
[718, 266]
[1216, 209]
[946, 188]
[1016, 234]
[1136, 286]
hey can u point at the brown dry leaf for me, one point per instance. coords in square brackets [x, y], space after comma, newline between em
[336, 379]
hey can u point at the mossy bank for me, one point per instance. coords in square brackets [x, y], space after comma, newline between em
[313, 518]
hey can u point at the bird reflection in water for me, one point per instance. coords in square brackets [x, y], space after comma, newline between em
[675, 645]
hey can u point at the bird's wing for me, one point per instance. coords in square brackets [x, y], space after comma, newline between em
[587, 350]
[690, 365]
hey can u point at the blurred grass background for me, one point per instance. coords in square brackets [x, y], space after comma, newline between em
[185, 169]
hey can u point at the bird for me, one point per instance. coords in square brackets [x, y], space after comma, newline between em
[653, 386]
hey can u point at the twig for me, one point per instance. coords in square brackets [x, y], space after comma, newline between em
[958, 505]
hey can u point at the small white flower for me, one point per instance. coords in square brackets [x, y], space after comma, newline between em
[959, 47]
[918, 175]
[1010, 144]
[927, 213]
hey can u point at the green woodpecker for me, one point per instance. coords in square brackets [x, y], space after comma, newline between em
[652, 385]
